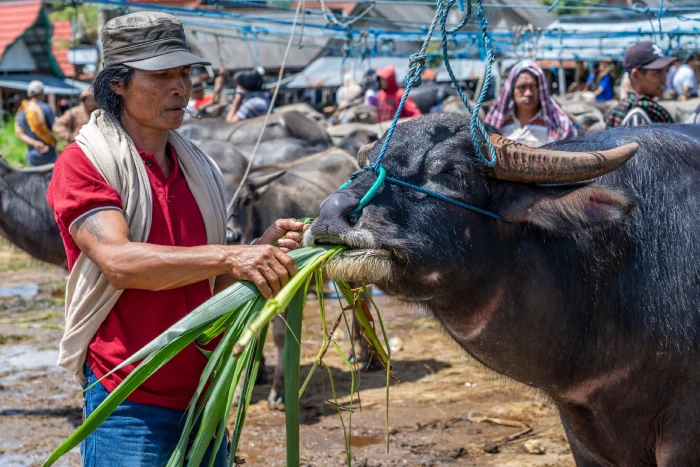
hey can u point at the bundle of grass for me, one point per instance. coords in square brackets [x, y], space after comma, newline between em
[241, 316]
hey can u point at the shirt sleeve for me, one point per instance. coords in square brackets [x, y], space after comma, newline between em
[605, 83]
[247, 110]
[21, 122]
[77, 188]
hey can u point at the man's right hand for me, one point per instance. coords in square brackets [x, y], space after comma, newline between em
[43, 148]
[264, 265]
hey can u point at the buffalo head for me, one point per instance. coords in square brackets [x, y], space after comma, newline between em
[416, 247]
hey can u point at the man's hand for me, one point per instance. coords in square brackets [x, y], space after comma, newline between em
[292, 231]
[43, 148]
[264, 265]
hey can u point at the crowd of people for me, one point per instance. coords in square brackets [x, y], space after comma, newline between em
[525, 110]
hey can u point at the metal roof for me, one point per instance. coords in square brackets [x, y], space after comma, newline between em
[53, 84]
[328, 71]
[228, 46]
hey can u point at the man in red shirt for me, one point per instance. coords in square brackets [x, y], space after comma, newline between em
[142, 90]
[390, 95]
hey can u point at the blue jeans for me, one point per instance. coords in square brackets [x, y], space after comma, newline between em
[135, 434]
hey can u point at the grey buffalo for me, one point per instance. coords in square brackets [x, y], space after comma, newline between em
[587, 291]
[26, 219]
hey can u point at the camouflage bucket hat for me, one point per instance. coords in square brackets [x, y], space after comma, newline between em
[147, 41]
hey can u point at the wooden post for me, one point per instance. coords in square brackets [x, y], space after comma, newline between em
[562, 79]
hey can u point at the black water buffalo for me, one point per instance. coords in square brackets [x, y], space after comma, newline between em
[587, 292]
[26, 219]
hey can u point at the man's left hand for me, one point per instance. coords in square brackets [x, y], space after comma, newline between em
[292, 231]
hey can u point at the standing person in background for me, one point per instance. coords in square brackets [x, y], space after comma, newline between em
[526, 112]
[348, 92]
[369, 84]
[646, 64]
[68, 125]
[390, 95]
[250, 101]
[33, 126]
[684, 81]
[604, 82]
[671, 73]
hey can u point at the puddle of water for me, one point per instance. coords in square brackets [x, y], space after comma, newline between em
[25, 291]
[359, 441]
[24, 356]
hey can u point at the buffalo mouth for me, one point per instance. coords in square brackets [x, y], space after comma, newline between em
[360, 263]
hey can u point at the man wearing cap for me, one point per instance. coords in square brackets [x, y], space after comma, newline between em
[68, 125]
[33, 124]
[647, 65]
[142, 214]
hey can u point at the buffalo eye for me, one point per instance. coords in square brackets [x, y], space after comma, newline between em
[453, 172]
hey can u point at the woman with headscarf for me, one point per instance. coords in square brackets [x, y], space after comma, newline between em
[525, 111]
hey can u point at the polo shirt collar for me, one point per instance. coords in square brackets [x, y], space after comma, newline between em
[151, 163]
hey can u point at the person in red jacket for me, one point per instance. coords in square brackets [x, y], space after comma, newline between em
[390, 95]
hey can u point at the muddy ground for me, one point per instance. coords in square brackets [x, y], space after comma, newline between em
[444, 409]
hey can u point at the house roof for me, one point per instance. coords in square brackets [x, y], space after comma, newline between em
[17, 17]
[60, 45]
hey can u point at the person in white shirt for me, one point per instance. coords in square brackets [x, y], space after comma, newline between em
[685, 82]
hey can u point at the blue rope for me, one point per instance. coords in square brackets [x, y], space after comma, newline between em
[446, 198]
[416, 66]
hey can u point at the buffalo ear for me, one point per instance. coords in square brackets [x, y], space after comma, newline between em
[566, 209]
[258, 182]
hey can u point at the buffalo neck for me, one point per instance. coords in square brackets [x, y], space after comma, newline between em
[531, 315]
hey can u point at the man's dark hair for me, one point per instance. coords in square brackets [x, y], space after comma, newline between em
[105, 98]
[251, 80]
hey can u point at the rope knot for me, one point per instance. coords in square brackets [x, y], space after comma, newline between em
[416, 63]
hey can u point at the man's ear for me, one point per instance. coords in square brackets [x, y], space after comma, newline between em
[117, 87]
[565, 209]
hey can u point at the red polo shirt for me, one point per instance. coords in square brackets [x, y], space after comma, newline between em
[139, 315]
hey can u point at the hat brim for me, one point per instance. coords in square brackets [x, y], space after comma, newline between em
[659, 63]
[166, 61]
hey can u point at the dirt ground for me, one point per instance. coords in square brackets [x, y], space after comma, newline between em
[443, 410]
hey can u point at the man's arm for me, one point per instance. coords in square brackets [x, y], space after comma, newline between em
[104, 237]
[232, 117]
[63, 126]
[28, 140]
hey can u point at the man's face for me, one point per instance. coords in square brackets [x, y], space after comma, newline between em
[526, 92]
[382, 83]
[650, 83]
[155, 99]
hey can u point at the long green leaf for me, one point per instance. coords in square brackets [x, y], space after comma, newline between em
[145, 369]
[220, 304]
[277, 305]
[292, 361]
[246, 395]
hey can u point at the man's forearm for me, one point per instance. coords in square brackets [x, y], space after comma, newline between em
[156, 267]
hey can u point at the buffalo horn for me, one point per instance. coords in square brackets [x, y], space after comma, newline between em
[520, 163]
